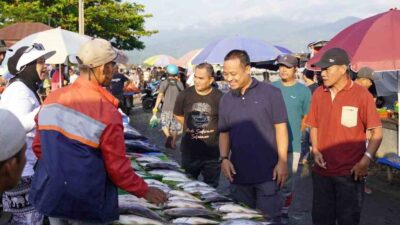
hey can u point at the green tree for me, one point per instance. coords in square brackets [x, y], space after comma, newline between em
[120, 22]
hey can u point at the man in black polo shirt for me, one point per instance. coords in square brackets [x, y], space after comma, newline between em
[253, 137]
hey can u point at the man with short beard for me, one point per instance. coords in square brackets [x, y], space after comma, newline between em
[253, 137]
[196, 109]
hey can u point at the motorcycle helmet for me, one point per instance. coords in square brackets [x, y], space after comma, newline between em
[172, 70]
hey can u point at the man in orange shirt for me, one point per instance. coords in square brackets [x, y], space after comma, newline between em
[80, 147]
[340, 114]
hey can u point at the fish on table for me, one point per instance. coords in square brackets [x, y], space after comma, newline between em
[183, 204]
[230, 216]
[241, 222]
[136, 220]
[189, 212]
[193, 220]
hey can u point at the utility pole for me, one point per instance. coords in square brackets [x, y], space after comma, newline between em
[81, 18]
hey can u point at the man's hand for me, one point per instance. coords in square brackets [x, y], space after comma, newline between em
[227, 169]
[155, 110]
[280, 173]
[319, 159]
[360, 170]
[155, 195]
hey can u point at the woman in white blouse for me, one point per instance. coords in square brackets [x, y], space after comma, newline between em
[21, 98]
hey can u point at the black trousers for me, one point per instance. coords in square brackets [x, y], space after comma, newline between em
[336, 200]
[209, 169]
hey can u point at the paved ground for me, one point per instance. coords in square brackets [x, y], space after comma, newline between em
[382, 207]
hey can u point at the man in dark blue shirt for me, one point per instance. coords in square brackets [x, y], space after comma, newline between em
[253, 137]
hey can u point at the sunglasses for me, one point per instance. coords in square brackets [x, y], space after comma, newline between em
[37, 46]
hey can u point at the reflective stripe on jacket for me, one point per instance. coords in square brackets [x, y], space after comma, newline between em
[82, 158]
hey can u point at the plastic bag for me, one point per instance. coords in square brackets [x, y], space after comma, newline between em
[153, 121]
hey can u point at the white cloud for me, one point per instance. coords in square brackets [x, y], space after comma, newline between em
[179, 14]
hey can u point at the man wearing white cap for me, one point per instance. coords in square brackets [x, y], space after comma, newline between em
[12, 151]
[80, 147]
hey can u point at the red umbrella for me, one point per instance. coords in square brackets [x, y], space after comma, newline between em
[372, 42]
[186, 60]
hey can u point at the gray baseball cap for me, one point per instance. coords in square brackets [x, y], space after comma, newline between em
[288, 60]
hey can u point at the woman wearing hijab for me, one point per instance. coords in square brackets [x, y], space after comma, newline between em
[21, 98]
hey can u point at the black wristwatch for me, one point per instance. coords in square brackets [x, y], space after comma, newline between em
[222, 158]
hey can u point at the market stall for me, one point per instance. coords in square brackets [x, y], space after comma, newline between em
[189, 201]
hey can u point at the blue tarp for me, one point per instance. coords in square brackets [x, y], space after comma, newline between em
[392, 161]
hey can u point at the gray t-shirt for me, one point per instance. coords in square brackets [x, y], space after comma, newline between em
[170, 89]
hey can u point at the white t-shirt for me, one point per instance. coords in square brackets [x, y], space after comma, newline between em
[21, 101]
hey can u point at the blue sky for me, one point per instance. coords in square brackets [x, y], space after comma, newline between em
[182, 14]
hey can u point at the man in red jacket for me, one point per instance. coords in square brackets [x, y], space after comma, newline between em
[80, 146]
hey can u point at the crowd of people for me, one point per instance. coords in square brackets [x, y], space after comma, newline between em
[65, 156]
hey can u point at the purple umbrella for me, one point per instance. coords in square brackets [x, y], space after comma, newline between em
[258, 50]
[283, 50]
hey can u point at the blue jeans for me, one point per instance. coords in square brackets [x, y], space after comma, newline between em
[336, 199]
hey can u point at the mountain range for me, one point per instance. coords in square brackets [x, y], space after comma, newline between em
[294, 35]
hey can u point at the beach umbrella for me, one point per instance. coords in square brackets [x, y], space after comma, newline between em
[186, 60]
[160, 60]
[257, 49]
[64, 42]
[372, 42]
[283, 50]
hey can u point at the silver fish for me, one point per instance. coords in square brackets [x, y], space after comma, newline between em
[188, 212]
[129, 199]
[138, 210]
[136, 220]
[180, 193]
[194, 220]
[175, 179]
[199, 190]
[230, 216]
[183, 204]
[241, 222]
[214, 197]
[179, 198]
[168, 173]
[156, 182]
[235, 208]
[192, 184]
[148, 159]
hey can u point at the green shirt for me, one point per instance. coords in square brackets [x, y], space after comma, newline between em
[297, 100]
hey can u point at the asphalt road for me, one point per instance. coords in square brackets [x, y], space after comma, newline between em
[382, 207]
